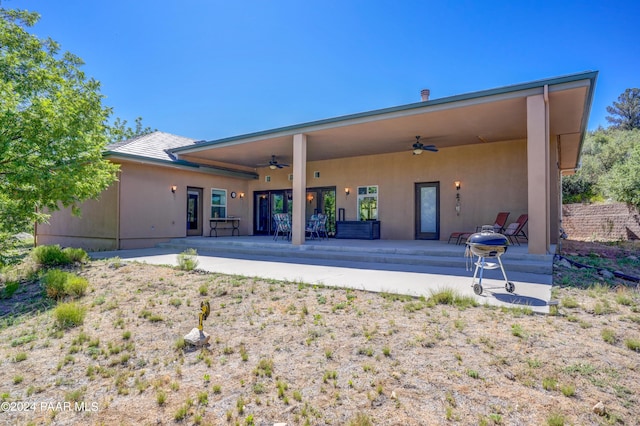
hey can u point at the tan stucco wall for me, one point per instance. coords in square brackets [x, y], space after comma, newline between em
[493, 178]
[149, 211]
[94, 229]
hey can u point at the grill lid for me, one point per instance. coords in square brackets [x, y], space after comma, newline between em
[487, 238]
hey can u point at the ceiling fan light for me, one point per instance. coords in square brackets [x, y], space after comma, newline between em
[417, 151]
[272, 167]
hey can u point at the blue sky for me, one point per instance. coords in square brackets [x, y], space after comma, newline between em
[209, 69]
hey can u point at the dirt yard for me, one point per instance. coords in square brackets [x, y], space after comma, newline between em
[283, 352]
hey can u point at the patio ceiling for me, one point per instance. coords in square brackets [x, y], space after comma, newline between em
[482, 117]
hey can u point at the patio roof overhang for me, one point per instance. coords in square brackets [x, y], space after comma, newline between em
[495, 115]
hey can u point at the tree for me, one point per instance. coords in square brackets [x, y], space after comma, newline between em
[625, 114]
[52, 127]
[603, 150]
[119, 130]
[623, 182]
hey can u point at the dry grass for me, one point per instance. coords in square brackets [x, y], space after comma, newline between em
[299, 354]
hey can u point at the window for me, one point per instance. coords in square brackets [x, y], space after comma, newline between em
[368, 202]
[218, 203]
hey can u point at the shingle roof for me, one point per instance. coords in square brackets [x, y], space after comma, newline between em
[156, 145]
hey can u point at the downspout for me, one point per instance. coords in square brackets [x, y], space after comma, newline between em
[118, 213]
[546, 148]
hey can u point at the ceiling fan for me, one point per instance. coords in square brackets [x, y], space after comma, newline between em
[418, 147]
[273, 164]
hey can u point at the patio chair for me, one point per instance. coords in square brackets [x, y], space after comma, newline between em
[516, 229]
[283, 225]
[312, 227]
[498, 224]
[322, 226]
[457, 236]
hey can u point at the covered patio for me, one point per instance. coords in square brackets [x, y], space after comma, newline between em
[511, 143]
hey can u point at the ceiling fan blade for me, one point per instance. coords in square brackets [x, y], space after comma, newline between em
[431, 148]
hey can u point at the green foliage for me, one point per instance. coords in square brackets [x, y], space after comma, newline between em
[54, 281]
[609, 168]
[50, 256]
[76, 255]
[69, 315]
[75, 286]
[622, 183]
[9, 288]
[119, 130]
[633, 344]
[59, 284]
[625, 113]
[361, 419]
[53, 127]
[188, 260]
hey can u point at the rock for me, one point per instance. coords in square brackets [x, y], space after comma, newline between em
[599, 409]
[393, 395]
[632, 257]
[509, 375]
[606, 274]
[564, 263]
[197, 338]
[279, 424]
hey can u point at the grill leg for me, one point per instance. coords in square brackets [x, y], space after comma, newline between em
[480, 266]
[504, 274]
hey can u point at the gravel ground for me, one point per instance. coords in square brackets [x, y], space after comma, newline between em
[283, 352]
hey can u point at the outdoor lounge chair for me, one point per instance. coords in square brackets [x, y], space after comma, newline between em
[282, 225]
[500, 222]
[516, 229]
[498, 226]
[457, 236]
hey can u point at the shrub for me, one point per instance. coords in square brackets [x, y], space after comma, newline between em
[75, 286]
[69, 315]
[188, 260]
[9, 288]
[54, 283]
[633, 344]
[55, 256]
[50, 256]
[76, 255]
[58, 284]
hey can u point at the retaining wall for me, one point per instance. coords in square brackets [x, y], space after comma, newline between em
[601, 222]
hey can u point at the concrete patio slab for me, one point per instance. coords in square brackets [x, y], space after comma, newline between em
[531, 290]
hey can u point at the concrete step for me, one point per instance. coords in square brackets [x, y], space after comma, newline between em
[443, 256]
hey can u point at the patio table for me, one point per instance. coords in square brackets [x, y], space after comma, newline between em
[234, 221]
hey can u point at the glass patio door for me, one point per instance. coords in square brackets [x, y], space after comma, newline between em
[266, 204]
[427, 214]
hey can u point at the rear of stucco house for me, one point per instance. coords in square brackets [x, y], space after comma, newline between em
[508, 148]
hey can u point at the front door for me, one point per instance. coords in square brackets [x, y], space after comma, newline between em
[427, 211]
[194, 211]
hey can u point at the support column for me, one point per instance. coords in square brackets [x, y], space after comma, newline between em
[298, 217]
[538, 175]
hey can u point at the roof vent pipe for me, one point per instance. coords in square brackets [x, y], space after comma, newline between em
[424, 94]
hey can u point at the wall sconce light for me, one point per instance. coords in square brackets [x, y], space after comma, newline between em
[346, 191]
[174, 188]
[241, 195]
[457, 185]
[457, 197]
[310, 198]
